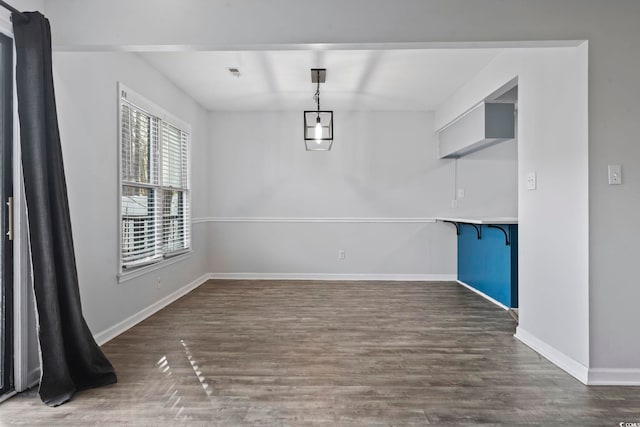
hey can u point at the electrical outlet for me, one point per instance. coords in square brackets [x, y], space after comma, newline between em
[615, 174]
[460, 193]
[341, 254]
[159, 283]
[454, 204]
[532, 181]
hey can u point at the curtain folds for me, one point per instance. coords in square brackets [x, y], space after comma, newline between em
[71, 359]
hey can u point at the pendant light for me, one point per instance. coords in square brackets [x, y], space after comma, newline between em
[318, 124]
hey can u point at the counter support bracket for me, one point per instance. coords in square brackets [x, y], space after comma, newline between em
[507, 233]
[478, 229]
[455, 225]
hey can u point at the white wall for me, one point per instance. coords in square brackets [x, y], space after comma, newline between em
[383, 166]
[614, 232]
[87, 101]
[553, 220]
[219, 24]
[555, 234]
[26, 6]
[374, 251]
[613, 92]
[489, 179]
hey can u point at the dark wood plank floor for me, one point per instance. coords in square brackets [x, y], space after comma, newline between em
[330, 353]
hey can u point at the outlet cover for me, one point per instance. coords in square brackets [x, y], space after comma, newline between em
[532, 181]
[615, 174]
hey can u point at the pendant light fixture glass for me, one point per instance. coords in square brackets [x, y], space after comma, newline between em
[318, 124]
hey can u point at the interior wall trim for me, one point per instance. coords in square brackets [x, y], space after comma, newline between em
[483, 295]
[373, 220]
[120, 327]
[619, 377]
[555, 356]
[336, 276]
[8, 395]
[33, 377]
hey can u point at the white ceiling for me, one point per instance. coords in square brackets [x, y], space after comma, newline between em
[356, 79]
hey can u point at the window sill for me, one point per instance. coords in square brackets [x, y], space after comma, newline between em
[125, 276]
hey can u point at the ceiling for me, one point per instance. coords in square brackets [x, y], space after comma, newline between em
[386, 80]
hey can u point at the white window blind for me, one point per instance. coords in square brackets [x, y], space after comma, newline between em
[154, 207]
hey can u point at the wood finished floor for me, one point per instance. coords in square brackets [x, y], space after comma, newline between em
[269, 353]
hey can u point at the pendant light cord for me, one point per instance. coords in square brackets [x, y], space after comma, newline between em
[317, 96]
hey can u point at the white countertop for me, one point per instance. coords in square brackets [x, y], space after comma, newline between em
[481, 220]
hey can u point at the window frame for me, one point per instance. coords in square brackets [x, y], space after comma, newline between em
[163, 116]
[8, 310]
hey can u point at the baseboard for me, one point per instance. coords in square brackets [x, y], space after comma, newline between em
[555, 356]
[336, 276]
[33, 377]
[483, 295]
[323, 220]
[117, 329]
[7, 395]
[624, 377]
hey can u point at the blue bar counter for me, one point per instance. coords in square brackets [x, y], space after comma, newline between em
[488, 256]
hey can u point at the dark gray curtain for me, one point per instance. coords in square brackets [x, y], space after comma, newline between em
[71, 359]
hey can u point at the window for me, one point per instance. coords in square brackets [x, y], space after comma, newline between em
[154, 183]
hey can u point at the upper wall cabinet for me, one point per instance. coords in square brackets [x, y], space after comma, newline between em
[487, 124]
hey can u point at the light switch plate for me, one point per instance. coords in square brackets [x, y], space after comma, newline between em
[615, 174]
[532, 183]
